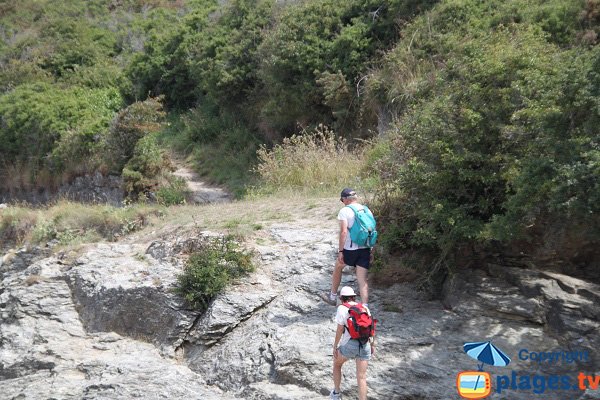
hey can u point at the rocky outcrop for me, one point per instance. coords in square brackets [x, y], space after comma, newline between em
[117, 288]
[100, 189]
[91, 188]
[47, 352]
[108, 326]
[562, 310]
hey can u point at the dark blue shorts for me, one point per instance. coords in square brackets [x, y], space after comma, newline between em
[359, 257]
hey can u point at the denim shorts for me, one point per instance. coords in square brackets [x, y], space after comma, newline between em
[353, 349]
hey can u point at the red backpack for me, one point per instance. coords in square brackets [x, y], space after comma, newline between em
[360, 324]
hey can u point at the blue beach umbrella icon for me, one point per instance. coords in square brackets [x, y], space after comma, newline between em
[487, 353]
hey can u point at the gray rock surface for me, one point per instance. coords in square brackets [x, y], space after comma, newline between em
[117, 288]
[46, 351]
[108, 326]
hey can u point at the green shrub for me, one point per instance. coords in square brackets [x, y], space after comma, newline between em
[100, 75]
[316, 51]
[75, 43]
[272, 64]
[44, 231]
[208, 270]
[203, 124]
[492, 140]
[18, 72]
[130, 125]
[46, 127]
[163, 67]
[174, 193]
[149, 171]
[296, 51]
[225, 58]
[148, 167]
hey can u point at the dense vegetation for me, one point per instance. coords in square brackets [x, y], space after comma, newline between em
[495, 138]
[481, 118]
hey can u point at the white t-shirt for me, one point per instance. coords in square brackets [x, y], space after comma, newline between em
[341, 317]
[347, 214]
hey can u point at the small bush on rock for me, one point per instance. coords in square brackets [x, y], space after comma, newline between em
[208, 270]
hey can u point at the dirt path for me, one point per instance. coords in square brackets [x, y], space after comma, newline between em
[202, 192]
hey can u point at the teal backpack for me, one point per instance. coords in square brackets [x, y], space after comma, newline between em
[363, 232]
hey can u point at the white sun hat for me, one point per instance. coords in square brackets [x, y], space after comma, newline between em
[347, 291]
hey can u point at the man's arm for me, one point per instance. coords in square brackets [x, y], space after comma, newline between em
[343, 234]
[342, 240]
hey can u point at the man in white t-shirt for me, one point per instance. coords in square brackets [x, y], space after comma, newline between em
[346, 348]
[348, 252]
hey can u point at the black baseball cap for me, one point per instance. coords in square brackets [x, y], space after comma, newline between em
[347, 192]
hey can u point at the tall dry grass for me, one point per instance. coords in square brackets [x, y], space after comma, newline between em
[312, 161]
[16, 224]
[71, 223]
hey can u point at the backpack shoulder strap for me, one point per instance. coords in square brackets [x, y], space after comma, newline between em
[348, 306]
[352, 208]
[355, 209]
[358, 307]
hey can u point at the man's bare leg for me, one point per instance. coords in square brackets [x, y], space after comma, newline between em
[363, 285]
[336, 277]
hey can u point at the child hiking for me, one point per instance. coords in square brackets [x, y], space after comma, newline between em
[354, 339]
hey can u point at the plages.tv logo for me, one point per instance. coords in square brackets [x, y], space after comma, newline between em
[478, 384]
